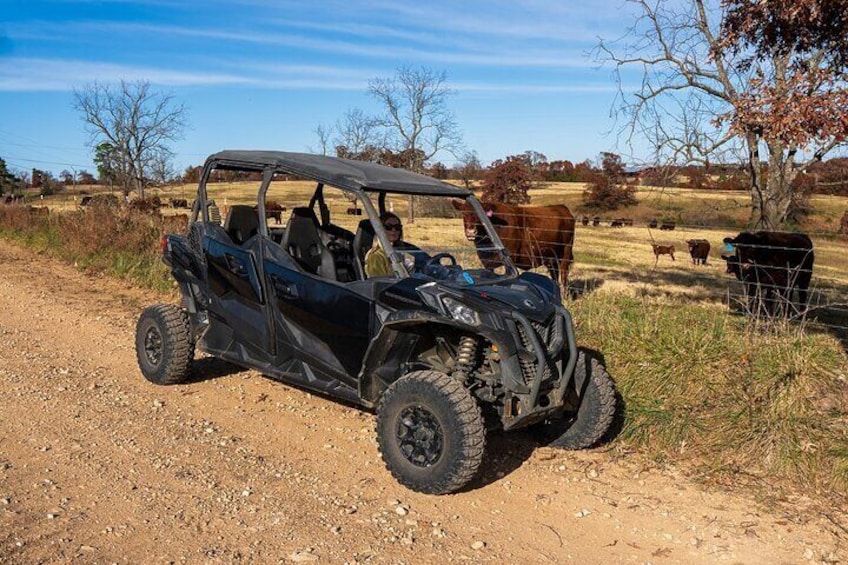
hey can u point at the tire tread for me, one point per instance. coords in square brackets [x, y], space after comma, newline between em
[177, 346]
[470, 417]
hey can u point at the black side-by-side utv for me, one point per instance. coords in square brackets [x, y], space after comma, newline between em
[441, 352]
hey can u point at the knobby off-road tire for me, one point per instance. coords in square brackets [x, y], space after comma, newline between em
[163, 344]
[595, 414]
[430, 432]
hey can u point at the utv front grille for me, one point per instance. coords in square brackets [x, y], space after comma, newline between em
[549, 335]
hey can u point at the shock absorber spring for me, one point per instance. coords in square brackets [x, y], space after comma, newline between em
[466, 354]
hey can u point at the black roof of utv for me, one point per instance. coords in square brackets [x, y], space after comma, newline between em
[343, 173]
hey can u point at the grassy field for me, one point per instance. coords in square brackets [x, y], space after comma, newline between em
[727, 398]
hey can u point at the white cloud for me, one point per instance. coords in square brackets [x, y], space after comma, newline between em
[26, 74]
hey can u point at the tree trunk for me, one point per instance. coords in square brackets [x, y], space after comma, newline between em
[771, 194]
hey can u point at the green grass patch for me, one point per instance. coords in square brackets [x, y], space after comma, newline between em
[725, 396]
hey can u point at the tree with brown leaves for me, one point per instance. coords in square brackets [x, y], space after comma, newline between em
[508, 181]
[761, 79]
[607, 190]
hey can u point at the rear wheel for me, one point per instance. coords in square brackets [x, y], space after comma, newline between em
[430, 432]
[596, 403]
[163, 344]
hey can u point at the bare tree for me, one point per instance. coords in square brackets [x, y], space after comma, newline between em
[160, 165]
[711, 89]
[359, 134]
[469, 168]
[324, 133]
[416, 116]
[137, 123]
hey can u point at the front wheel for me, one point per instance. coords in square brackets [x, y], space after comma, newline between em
[430, 432]
[163, 344]
[594, 407]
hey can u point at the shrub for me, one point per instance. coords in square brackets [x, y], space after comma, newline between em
[508, 181]
[607, 190]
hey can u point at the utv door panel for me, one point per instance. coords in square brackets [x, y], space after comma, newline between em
[327, 323]
[236, 293]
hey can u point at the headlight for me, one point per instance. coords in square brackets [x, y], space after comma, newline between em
[460, 312]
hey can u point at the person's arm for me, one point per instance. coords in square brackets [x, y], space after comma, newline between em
[377, 263]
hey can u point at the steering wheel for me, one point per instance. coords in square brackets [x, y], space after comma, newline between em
[435, 269]
[437, 260]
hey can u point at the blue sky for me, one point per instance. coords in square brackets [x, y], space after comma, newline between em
[263, 74]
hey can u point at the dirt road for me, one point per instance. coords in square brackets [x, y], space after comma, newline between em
[99, 466]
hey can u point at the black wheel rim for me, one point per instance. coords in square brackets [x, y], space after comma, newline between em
[153, 345]
[419, 436]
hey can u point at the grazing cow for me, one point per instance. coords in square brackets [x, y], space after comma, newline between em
[585, 220]
[354, 211]
[628, 222]
[38, 210]
[86, 200]
[617, 223]
[653, 223]
[533, 235]
[596, 221]
[843, 224]
[274, 209]
[667, 226]
[104, 200]
[699, 249]
[771, 265]
[179, 203]
[662, 250]
[146, 205]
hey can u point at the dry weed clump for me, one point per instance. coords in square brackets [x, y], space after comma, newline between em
[100, 239]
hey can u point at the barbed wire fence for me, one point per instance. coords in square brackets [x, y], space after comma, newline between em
[764, 281]
[780, 288]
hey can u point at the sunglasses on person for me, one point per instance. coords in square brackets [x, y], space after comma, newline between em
[392, 226]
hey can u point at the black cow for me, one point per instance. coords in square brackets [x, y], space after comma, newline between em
[771, 265]
[667, 226]
[699, 249]
[585, 220]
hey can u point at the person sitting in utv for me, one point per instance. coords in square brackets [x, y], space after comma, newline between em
[377, 263]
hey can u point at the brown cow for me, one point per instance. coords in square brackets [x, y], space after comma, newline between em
[533, 235]
[38, 210]
[274, 209]
[662, 250]
[699, 249]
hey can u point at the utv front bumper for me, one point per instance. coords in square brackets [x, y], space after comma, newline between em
[537, 375]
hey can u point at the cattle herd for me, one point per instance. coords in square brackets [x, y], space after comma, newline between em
[775, 267]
